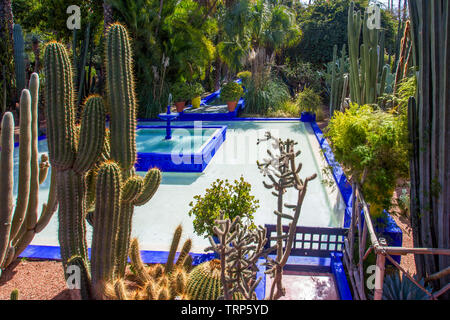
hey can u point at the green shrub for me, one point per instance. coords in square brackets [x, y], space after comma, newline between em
[181, 91]
[308, 100]
[365, 139]
[287, 109]
[232, 91]
[267, 97]
[195, 90]
[234, 200]
[245, 76]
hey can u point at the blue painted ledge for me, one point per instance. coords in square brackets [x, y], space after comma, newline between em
[337, 268]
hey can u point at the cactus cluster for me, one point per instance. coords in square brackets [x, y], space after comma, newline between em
[339, 79]
[283, 172]
[239, 249]
[20, 223]
[367, 68]
[94, 167]
[158, 281]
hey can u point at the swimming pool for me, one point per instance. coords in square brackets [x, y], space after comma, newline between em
[155, 222]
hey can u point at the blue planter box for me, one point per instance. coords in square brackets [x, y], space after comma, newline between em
[308, 117]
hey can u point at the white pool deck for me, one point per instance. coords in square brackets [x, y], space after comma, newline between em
[155, 222]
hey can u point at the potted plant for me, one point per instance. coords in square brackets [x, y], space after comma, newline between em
[195, 91]
[181, 93]
[309, 103]
[231, 199]
[231, 93]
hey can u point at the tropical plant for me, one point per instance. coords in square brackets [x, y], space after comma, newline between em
[308, 100]
[372, 145]
[20, 223]
[232, 91]
[266, 96]
[195, 90]
[234, 200]
[245, 76]
[180, 91]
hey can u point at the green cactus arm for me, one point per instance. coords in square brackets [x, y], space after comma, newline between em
[137, 264]
[33, 202]
[60, 112]
[173, 249]
[7, 182]
[152, 181]
[23, 193]
[184, 254]
[132, 188]
[123, 237]
[92, 134]
[121, 96]
[106, 224]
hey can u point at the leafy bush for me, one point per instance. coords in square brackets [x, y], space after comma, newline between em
[287, 109]
[232, 91]
[308, 100]
[375, 142]
[195, 90]
[300, 74]
[181, 91]
[234, 200]
[245, 76]
[267, 97]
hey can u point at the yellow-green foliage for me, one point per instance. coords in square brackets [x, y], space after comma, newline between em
[286, 109]
[365, 138]
[245, 76]
[308, 100]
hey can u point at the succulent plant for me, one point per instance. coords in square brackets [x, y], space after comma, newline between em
[20, 223]
[395, 288]
[94, 167]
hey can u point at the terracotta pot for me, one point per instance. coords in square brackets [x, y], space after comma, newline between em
[180, 105]
[231, 105]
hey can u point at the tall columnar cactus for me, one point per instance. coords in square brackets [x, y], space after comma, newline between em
[366, 60]
[121, 97]
[19, 57]
[75, 153]
[338, 74]
[20, 223]
[429, 120]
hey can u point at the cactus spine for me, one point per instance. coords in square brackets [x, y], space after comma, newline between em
[20, 225]
[19, 57]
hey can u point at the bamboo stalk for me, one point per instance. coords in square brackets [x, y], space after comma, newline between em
[379, 274]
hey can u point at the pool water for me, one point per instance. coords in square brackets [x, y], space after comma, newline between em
[155, 222]
[183, 140]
